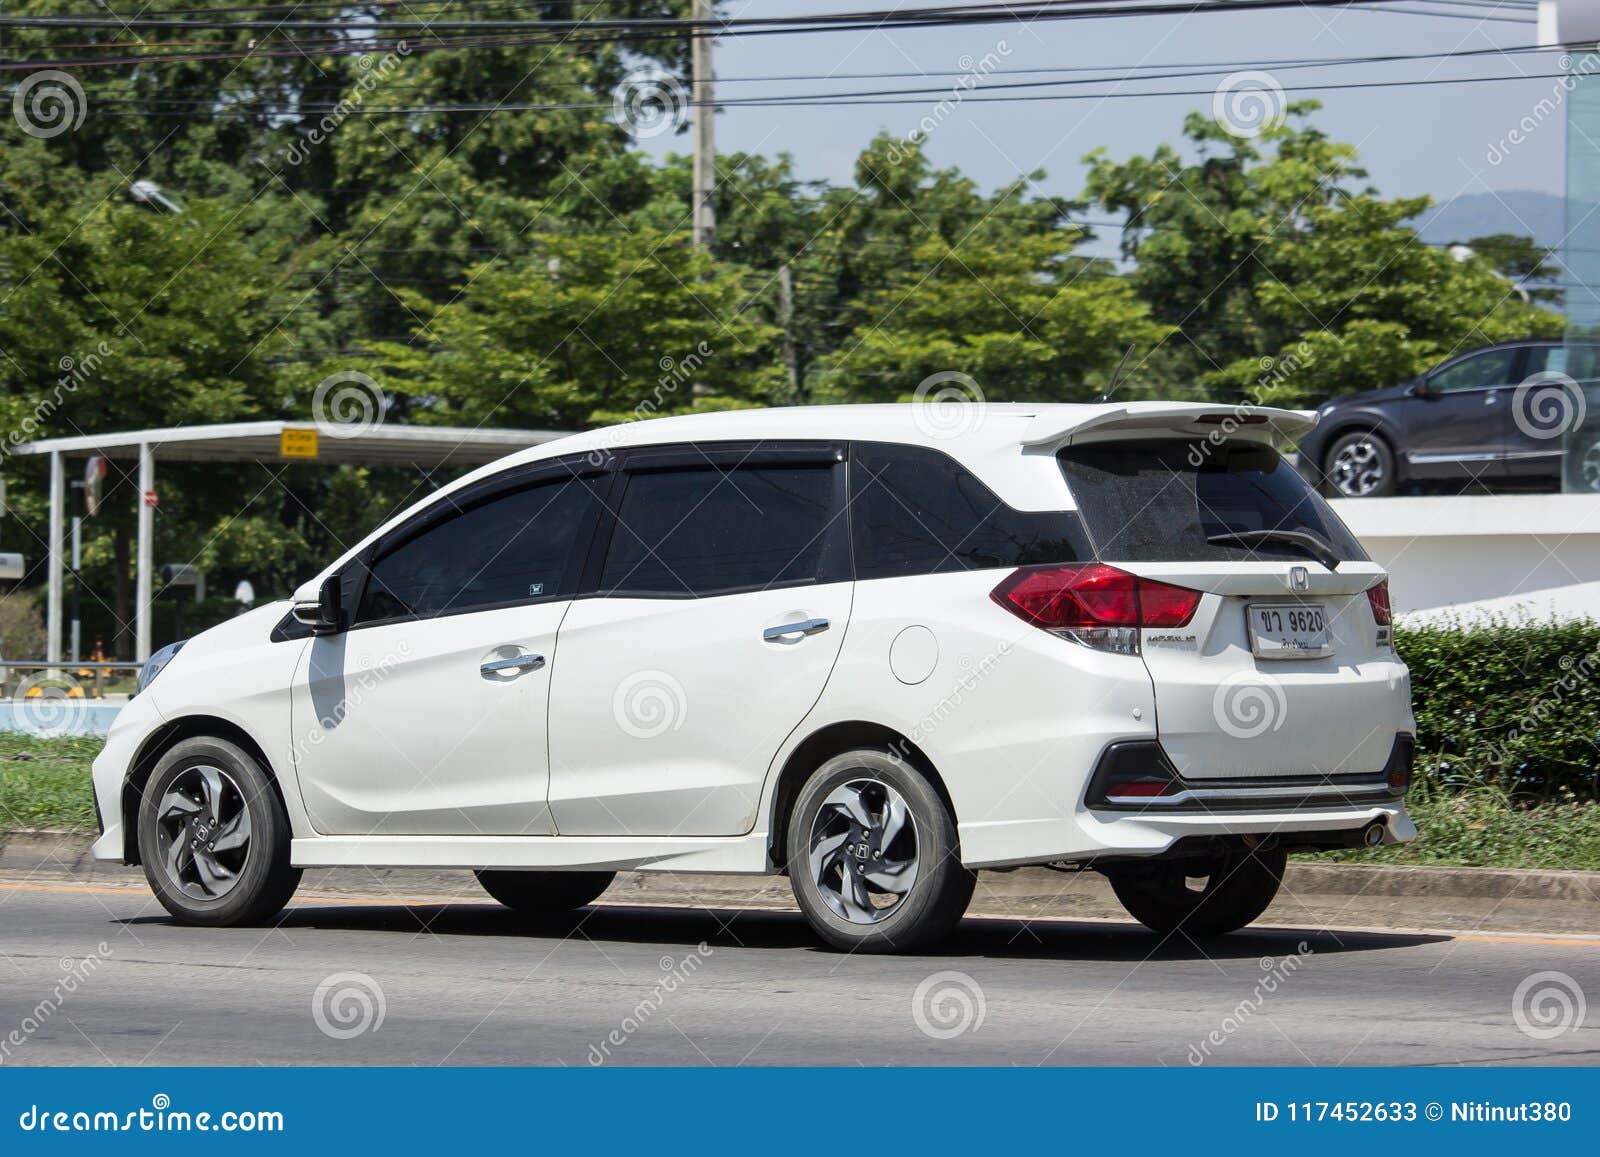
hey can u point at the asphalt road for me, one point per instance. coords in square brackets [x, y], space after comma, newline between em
[368, 981]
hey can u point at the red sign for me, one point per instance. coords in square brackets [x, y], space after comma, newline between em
[150, 498]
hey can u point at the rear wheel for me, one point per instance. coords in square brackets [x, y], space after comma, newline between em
[538, 893]
[873, 855]
[1359, 465]
[213, 836]
[1200, 898]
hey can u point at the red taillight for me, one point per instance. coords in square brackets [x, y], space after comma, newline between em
[1090, 596]
[1378, 596]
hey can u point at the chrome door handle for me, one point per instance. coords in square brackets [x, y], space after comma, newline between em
[515, 663]
[803, 627]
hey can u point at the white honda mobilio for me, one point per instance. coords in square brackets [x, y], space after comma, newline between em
[844, 643]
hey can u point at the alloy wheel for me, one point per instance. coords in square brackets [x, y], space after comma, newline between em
[863, 851]
[203, 832]
[1357, 469]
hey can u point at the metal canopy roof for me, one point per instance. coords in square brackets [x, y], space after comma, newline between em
[336, 444]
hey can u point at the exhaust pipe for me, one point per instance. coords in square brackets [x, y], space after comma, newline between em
[1372, 835]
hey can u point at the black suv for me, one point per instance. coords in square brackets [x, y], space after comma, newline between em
[1467, 419]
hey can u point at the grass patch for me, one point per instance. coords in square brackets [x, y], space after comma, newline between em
[44, 783]
[1480, 828]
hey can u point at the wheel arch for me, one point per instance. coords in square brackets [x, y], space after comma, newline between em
[822, 745]
[162, 740]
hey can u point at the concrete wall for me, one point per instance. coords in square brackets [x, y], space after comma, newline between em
[1528, 552]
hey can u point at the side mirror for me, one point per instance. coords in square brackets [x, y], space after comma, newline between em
[325, 614]
[1419, 389]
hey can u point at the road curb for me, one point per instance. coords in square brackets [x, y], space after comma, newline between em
[1367, 895]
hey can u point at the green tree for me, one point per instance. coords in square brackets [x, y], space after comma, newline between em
[1286, 282]
[588, 328]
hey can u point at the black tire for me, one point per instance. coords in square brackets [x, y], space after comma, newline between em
[1237, 891]
[541, 893]
[1364, 448]
[940, 887]
[195, 881]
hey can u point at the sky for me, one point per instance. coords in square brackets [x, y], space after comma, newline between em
[1442, 140]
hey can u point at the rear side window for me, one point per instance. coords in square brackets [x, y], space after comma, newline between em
[508, 549]
[917, 511]
[711, 529]
[1147, 501]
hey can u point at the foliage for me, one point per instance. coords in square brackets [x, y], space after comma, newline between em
[1483, 828]
[44, 783]
[1268, 253]
[1514, 707]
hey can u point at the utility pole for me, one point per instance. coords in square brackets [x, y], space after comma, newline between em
[791, 360]
[705, 147]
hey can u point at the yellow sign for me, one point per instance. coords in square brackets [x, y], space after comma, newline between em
[297, 443]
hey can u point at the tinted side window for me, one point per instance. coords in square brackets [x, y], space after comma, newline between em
[1490, 369]
[508, 549]
[917, 511]
[705, 529]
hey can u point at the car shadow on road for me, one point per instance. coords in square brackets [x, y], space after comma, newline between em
[755, 928]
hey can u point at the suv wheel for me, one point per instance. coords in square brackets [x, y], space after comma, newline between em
[213, 836]
[873, 855]
[1200, 898]
[1359, 465]
[537, 893]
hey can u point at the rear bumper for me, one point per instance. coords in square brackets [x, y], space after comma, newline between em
[1299, 811]
[1096, 837]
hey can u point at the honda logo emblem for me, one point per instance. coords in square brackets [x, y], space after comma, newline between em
[1299, 578]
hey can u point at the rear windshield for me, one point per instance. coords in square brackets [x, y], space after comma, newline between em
[1160, 500]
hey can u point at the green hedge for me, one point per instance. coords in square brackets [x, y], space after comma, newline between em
[1513, 707]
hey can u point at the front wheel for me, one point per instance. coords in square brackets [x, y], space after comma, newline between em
[542, 893]
[1200, 898]
[213, 836]
[873, 855]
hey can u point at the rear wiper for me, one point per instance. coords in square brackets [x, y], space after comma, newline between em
[1313, 544]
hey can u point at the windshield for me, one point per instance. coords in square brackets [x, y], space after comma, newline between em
[1160, 500]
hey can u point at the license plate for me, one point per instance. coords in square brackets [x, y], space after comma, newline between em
[1289, 630]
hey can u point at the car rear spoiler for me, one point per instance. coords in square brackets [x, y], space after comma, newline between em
[1255, 423]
